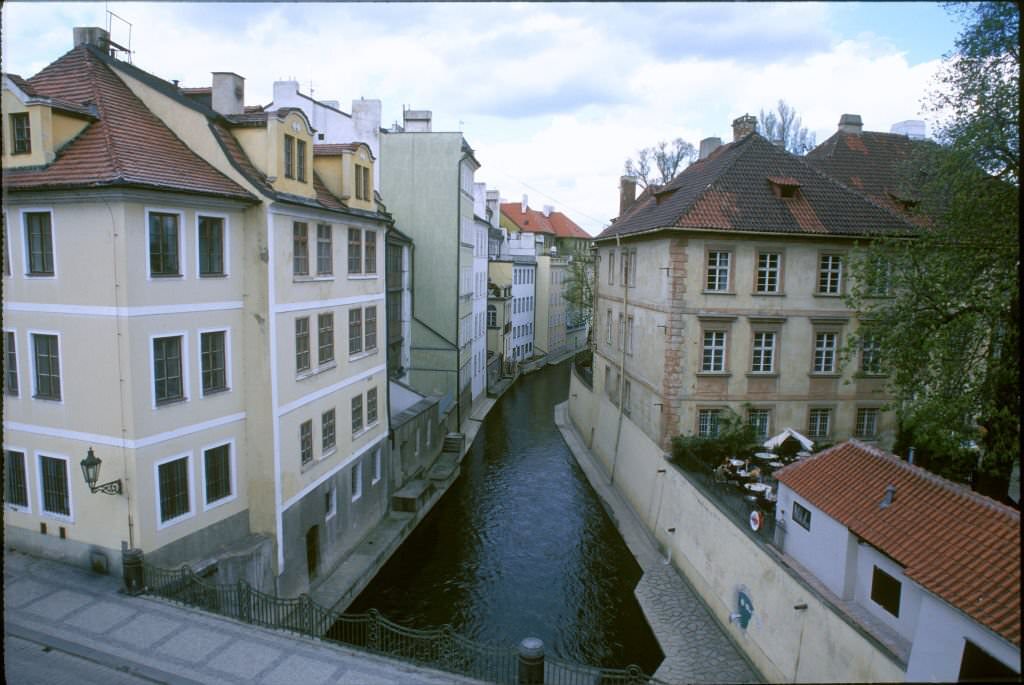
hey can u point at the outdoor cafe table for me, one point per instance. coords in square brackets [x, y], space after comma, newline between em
[757, 487]
[764, 455]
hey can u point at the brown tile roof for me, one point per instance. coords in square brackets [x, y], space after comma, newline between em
[329, 149]
[868, 162]
[534, 221]
[731, 190]
[25, 86]
[126, 146]
[955, 543]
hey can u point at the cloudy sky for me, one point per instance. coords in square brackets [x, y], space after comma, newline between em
[553, 97]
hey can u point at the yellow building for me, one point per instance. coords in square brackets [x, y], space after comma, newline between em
[176, 276]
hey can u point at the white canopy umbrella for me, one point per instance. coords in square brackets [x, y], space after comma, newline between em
[774, 441]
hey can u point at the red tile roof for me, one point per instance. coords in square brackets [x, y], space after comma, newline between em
[955, 543]
[869, 162]
[126, 146]
[334, 149]
[731, 190]
[533, 221]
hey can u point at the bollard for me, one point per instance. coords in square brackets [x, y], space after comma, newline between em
[131, 566]
[531, 662]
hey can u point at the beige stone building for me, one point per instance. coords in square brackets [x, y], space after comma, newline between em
[195, 295]
[723, 289]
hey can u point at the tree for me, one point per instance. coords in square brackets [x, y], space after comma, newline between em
[735, 438]
[783, 124]
[949, 333]
[659, 164]
[579, 287]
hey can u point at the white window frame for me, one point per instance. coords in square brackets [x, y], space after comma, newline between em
[866, 411]
[232, 465]
[60, 360]
[27, 454]
[357, 475]
[225, 247]
[714, 416]
[332, 497]
[185, 370]
[829, 415]
[182, 260]
[831, 269]
[825, 349]
[777, 270]
[717, 268]
[17, 365]
[767, 413]
[39, 454]
[378, 467]
[53, 242]
[160, 525]
[199, 361]
[755, 349]
[723, 347]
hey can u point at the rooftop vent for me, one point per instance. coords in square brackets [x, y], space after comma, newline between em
[890, 495]
[850, 123]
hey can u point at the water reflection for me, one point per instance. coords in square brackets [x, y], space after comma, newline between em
[520, 546]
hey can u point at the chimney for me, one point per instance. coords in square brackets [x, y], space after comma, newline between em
[890, 495]
[627, 192]
[285, 93]
[910, 455]
[526, 204]
[743, 126]
[850, 123]
[417, 120]
[228, 92]
[707, 146]
[493, 204]
[547, 210]
[91, 35]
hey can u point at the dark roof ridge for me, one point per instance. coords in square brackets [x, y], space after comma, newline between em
[322, 104]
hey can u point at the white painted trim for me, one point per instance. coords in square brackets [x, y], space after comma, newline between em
[333, 492]
[275, 423]
[32, 364]
[334, 470]
[39, 485]
[24, 242]
[26, 456]
[111, 441]
[358, 468]
[89, 310]
[182, 262]
[232, 465]
[323, 392]
[325, 304]
[226, 330]
[185, 375]
[160, 525]
[378, 467]
[226, 247]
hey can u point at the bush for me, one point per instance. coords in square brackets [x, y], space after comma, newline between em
[736, 438]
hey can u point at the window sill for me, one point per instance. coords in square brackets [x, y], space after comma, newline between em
[306, 466]
[215, 391]
[775, 294]
[356, 498]
[174, 521]
[40, 275]
[47, 398]
[362, 277]
[329, 453]
[157, 277]
[374, 481]
[362, 355]
[213, 275]
[208, 506]
[829, 295]
[824, 374]
[169, 403]
[864, 375]
[714, 374]
[364, 431]
[762, 374]
[717, 292]
[320, 278]
[303, 375]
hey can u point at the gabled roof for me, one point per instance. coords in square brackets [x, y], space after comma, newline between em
[337, 149]
[955, 543]
[869, 162]
[732, 190]
[533, 221]
[126, 145]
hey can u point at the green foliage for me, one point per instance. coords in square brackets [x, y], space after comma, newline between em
[579, 287]
[736, 438]
[949, 332]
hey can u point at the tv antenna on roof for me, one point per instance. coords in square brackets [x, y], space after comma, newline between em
[115, 47]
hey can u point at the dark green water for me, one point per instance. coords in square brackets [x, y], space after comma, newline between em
[520, 546]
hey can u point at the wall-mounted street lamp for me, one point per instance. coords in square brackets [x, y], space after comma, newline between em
[91, 472]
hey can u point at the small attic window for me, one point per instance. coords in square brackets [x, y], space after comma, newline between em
[784, 186]
[904, 203]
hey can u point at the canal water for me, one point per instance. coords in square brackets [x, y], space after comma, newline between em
[520, 546]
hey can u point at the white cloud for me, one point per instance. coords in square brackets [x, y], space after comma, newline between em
[553, 97]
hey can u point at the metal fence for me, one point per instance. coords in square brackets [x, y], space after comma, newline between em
[440, 648]
[731, 499]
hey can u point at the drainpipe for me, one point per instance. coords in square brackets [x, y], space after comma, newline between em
[622, 356]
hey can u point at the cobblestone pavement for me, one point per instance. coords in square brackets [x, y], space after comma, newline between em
[696, 648]
[81, 615]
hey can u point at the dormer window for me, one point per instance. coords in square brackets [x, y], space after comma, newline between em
[363, 186]
[289, 156]
[784, 186]
[300, 159]
[21, 141]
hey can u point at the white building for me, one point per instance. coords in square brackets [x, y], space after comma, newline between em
[931, 567]
[524, 293]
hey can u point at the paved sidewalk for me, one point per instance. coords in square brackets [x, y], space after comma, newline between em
[695, 647]
[81, 615]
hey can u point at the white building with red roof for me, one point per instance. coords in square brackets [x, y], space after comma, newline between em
[934, 565]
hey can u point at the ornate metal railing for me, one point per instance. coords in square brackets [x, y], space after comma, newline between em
[439, 648]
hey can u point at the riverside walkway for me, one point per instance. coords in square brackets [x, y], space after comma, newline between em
[695, 647]
[89, 632]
